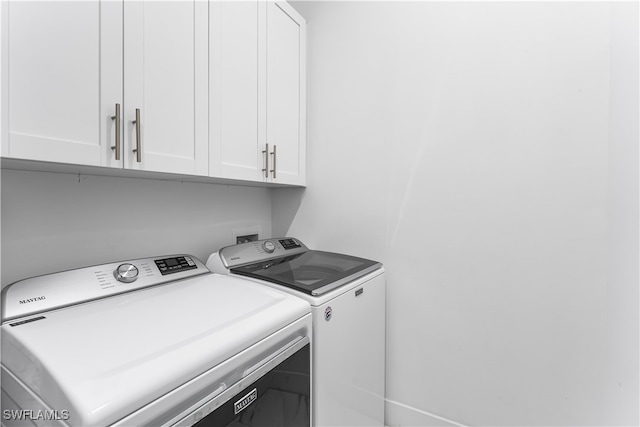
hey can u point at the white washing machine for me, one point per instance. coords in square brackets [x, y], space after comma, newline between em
[347, 296]
[155, 341]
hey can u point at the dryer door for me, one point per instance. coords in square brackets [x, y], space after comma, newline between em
[275, 391]
[279, 398]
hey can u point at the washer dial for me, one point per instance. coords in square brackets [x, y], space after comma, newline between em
[269, 246]
[126, 273]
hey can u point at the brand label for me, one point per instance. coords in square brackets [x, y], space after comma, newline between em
[247, 400]
[327, 313]
[34, 299]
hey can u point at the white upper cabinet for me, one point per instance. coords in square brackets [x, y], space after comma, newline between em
[187, 87]
[285, 94]
[165, 77]
[233, 103]
[65, 76]
[63, 65]
[257, 97]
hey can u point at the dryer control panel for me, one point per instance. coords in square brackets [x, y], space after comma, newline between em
[175, 264]
[52, 291]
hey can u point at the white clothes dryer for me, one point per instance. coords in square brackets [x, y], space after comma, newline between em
[155, 341]
[347, 297]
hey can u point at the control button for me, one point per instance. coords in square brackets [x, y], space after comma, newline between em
[269, 246]
[289, 244]
[126, 273]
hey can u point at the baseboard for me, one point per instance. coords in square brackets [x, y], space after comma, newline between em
[400, 415]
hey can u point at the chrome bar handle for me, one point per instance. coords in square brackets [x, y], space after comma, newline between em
[117, 120]
[266, 161]
[274, 162]
[137, 150]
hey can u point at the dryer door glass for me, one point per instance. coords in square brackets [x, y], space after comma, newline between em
[312, 272]
[281, 397]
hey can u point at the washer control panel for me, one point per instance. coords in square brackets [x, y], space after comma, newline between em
[269, 246]
[57, 290]
[260, 250]
[288, 244]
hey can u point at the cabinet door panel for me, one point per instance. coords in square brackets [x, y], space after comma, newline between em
[285, 97]
[58, 110]
[234, 90]
[166, 78]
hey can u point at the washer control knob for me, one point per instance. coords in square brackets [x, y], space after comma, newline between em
[269, 246]
[126, 273]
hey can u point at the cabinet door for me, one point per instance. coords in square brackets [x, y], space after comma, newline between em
[233, 115]
[285, 83]
[165, 69]
[64, 79]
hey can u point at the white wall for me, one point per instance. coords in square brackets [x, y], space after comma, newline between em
[53, 222]
[466, 146]
[621, 377]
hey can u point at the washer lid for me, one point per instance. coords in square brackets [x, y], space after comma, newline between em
[105, 359]
[312, 272]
